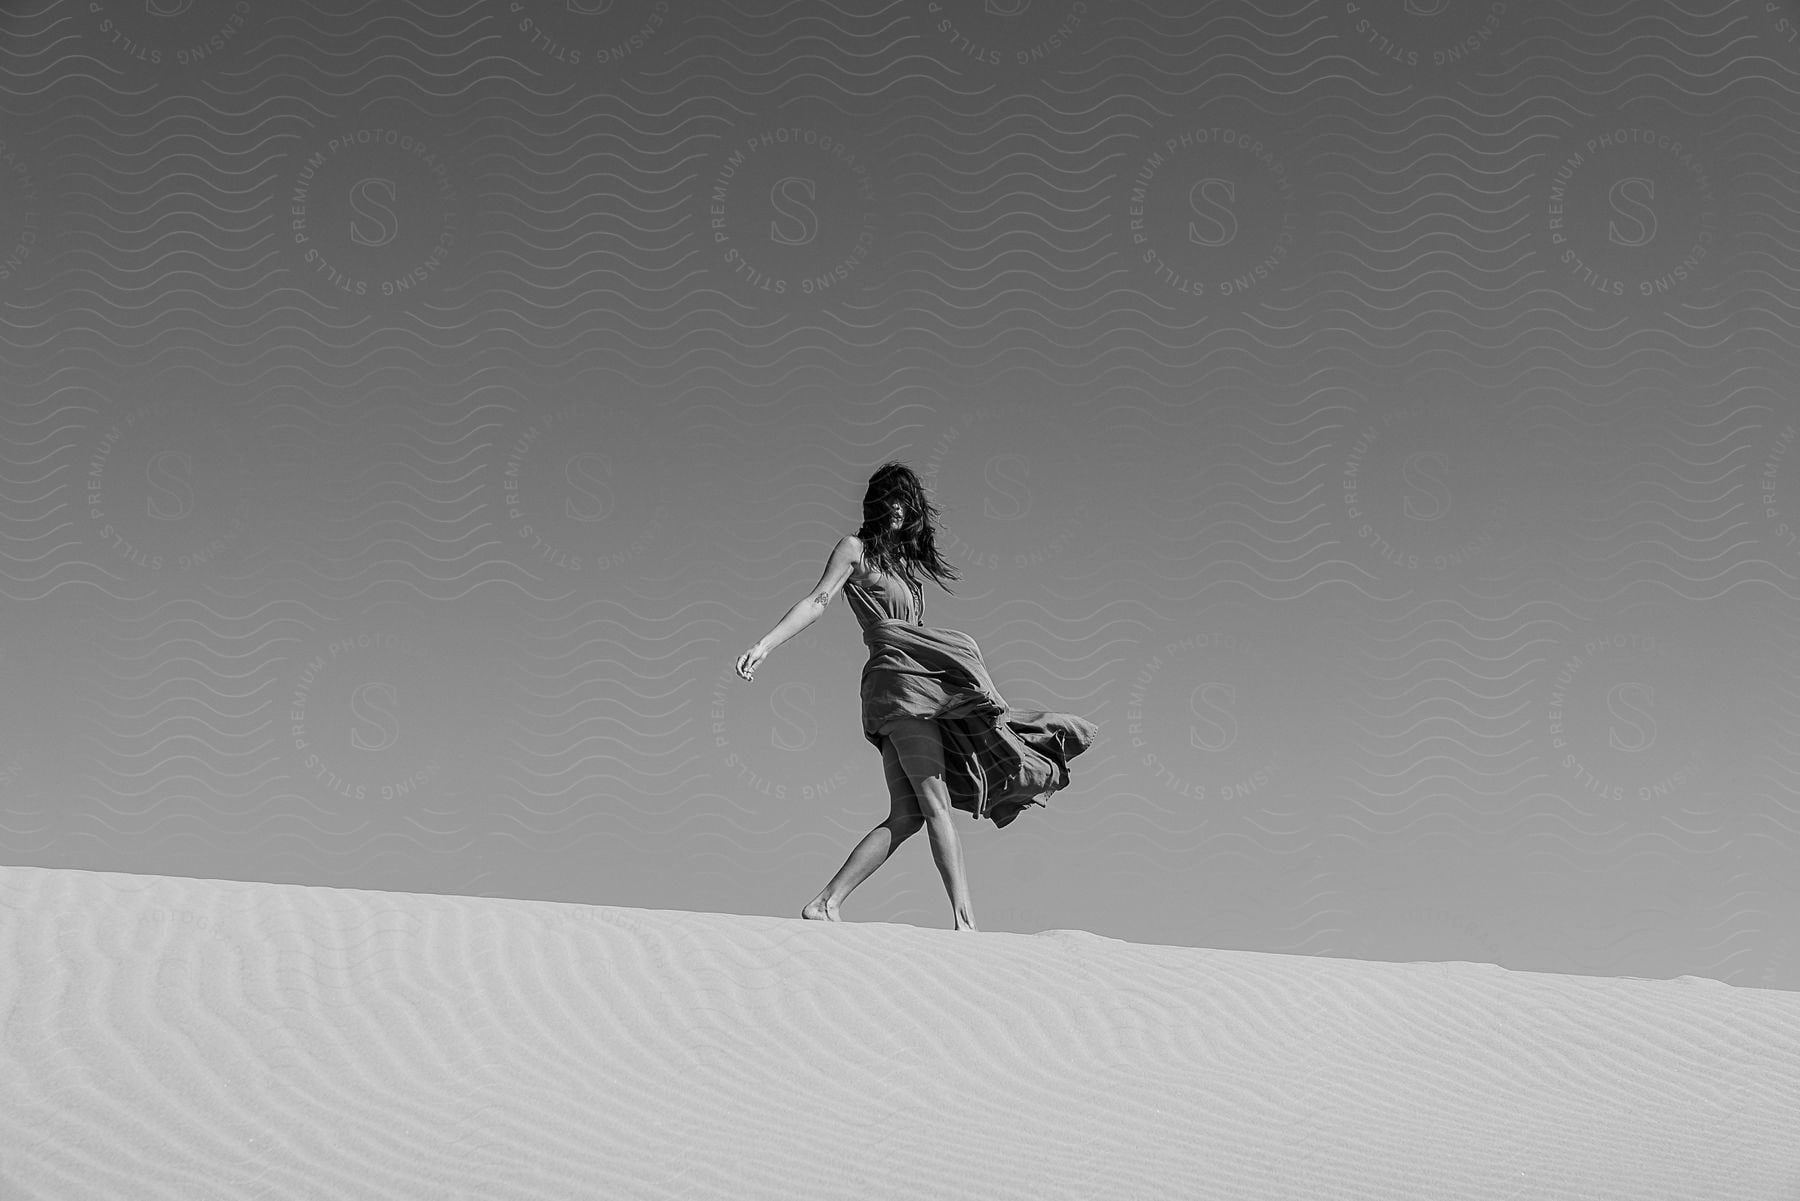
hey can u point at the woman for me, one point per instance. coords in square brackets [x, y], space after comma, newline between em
[947, 739]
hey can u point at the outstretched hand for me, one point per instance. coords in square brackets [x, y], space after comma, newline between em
[746, 664]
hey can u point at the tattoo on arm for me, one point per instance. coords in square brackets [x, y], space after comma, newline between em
[823, 597]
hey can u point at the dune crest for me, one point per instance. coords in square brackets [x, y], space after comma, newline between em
[200, 1039]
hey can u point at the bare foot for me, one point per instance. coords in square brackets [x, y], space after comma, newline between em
[818, 911]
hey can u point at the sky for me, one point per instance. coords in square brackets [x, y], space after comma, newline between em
[1378, 418]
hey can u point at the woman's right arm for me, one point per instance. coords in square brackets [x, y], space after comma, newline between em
[809, 608]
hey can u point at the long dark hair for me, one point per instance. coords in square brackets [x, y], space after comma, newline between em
[913, 547]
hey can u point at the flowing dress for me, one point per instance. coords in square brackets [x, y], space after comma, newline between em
[997, 759]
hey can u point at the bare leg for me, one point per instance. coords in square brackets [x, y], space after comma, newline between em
[922, 754]
[902, 823]
[946, 849]
[869, 854]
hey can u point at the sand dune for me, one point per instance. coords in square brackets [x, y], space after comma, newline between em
[201, 1039]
